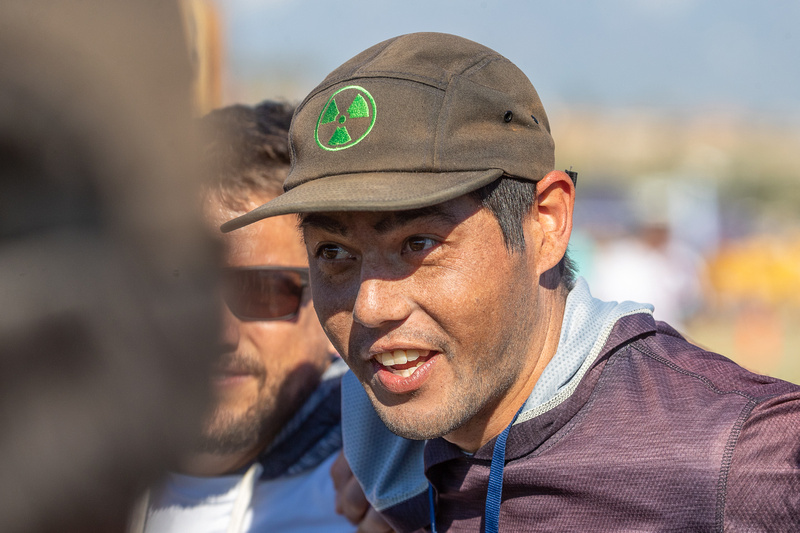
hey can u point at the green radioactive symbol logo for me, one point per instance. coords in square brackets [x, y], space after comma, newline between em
[346, 118]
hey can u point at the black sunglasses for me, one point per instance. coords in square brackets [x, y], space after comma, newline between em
[264, 292]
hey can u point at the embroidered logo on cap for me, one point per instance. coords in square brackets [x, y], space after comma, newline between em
[346, 118]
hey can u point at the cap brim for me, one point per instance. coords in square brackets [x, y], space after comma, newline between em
[383, 191]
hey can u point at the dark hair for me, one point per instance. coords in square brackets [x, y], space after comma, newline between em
[510, 200]
[247, 150]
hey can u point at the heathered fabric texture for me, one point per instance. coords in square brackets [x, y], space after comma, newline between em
[659, 436]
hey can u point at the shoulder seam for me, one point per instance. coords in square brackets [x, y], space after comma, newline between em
[637, 345]
[725, 467]
[733, 437]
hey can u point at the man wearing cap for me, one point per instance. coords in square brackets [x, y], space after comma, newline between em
[436, 229]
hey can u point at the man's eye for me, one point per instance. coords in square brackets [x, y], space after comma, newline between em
[418, 244]
[332, 252]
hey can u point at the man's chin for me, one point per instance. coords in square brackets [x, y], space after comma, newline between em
[425, 423]
[224, 434]
[417, 428]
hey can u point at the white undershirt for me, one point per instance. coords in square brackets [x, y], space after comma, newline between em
[303, 503]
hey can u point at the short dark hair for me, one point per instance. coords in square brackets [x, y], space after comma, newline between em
[510, 200]
[247, 150]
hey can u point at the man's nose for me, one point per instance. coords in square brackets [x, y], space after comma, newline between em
[381, 301]
[230, 330]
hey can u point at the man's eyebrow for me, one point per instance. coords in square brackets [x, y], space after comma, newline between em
[399, 218]
[323, 222]
[385, 224]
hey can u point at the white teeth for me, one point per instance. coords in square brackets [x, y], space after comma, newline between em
[385, 358]
[399, 357]
[406, 371]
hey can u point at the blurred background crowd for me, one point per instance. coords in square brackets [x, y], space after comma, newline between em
[681, 116]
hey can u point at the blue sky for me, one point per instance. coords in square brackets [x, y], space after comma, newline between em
[681, 55]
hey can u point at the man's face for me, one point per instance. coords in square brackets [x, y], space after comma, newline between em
[269, 367]
[428, 308]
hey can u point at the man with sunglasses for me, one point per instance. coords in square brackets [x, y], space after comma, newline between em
[436, 229]
[263, 460]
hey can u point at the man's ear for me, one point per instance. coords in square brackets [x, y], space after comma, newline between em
[555, 199]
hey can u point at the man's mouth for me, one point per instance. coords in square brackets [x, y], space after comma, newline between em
[229, 377]
[403, 363]
[233, 369]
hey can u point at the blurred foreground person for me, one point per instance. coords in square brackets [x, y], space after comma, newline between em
[107, 306]
[274, 428]
[436, 228]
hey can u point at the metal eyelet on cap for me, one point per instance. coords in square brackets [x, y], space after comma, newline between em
[508, 116]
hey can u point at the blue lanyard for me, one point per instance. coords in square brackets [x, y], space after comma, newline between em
[495, 491]
[430, 506]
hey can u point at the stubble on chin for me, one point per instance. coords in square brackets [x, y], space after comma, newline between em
[437, 423]
[226, 432]
[467, 402]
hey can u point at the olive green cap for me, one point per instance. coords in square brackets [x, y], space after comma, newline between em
[411, 122]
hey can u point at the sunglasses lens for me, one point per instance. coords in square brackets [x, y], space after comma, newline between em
[254, 294]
